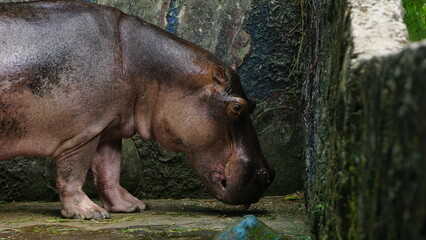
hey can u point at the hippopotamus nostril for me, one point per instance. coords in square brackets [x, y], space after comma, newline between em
[223, 182]
[218, 178]
[265, 174]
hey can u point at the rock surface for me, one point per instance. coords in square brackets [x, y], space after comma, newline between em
[377, 27]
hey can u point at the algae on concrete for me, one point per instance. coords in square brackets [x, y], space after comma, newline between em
[177, 219]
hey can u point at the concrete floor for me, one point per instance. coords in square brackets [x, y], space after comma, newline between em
[168, 219]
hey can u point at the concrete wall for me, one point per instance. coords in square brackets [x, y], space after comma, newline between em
[262, 37]
[364, 119]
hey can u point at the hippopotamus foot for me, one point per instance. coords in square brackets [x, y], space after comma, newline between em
[79, 206]
[106, 167]
[120, 200]
[72, 166]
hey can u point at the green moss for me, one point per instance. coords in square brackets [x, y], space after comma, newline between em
[319, 208]
[415, 18]
[54, 230]
[29, 219]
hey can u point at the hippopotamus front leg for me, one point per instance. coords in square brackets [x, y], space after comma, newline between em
[106, 167]
[71, 168]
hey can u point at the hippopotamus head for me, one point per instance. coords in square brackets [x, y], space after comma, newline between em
[206, 115]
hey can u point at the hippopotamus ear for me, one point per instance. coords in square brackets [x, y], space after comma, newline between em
[219, 75]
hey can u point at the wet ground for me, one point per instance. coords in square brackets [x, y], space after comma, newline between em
[168, 219]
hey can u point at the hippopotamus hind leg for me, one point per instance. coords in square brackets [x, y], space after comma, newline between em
[72, 167]
[106, 167]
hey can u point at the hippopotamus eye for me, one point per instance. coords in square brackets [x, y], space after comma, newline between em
[236, 108]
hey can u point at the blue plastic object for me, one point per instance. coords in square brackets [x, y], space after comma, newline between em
[249, 228]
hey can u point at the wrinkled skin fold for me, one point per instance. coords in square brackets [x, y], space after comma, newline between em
[76, 78]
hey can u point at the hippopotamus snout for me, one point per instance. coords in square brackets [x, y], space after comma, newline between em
[242, 181]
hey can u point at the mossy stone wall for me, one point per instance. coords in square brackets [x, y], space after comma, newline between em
[365, 129]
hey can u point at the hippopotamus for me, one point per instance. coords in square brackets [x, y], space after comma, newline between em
[77, 77]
